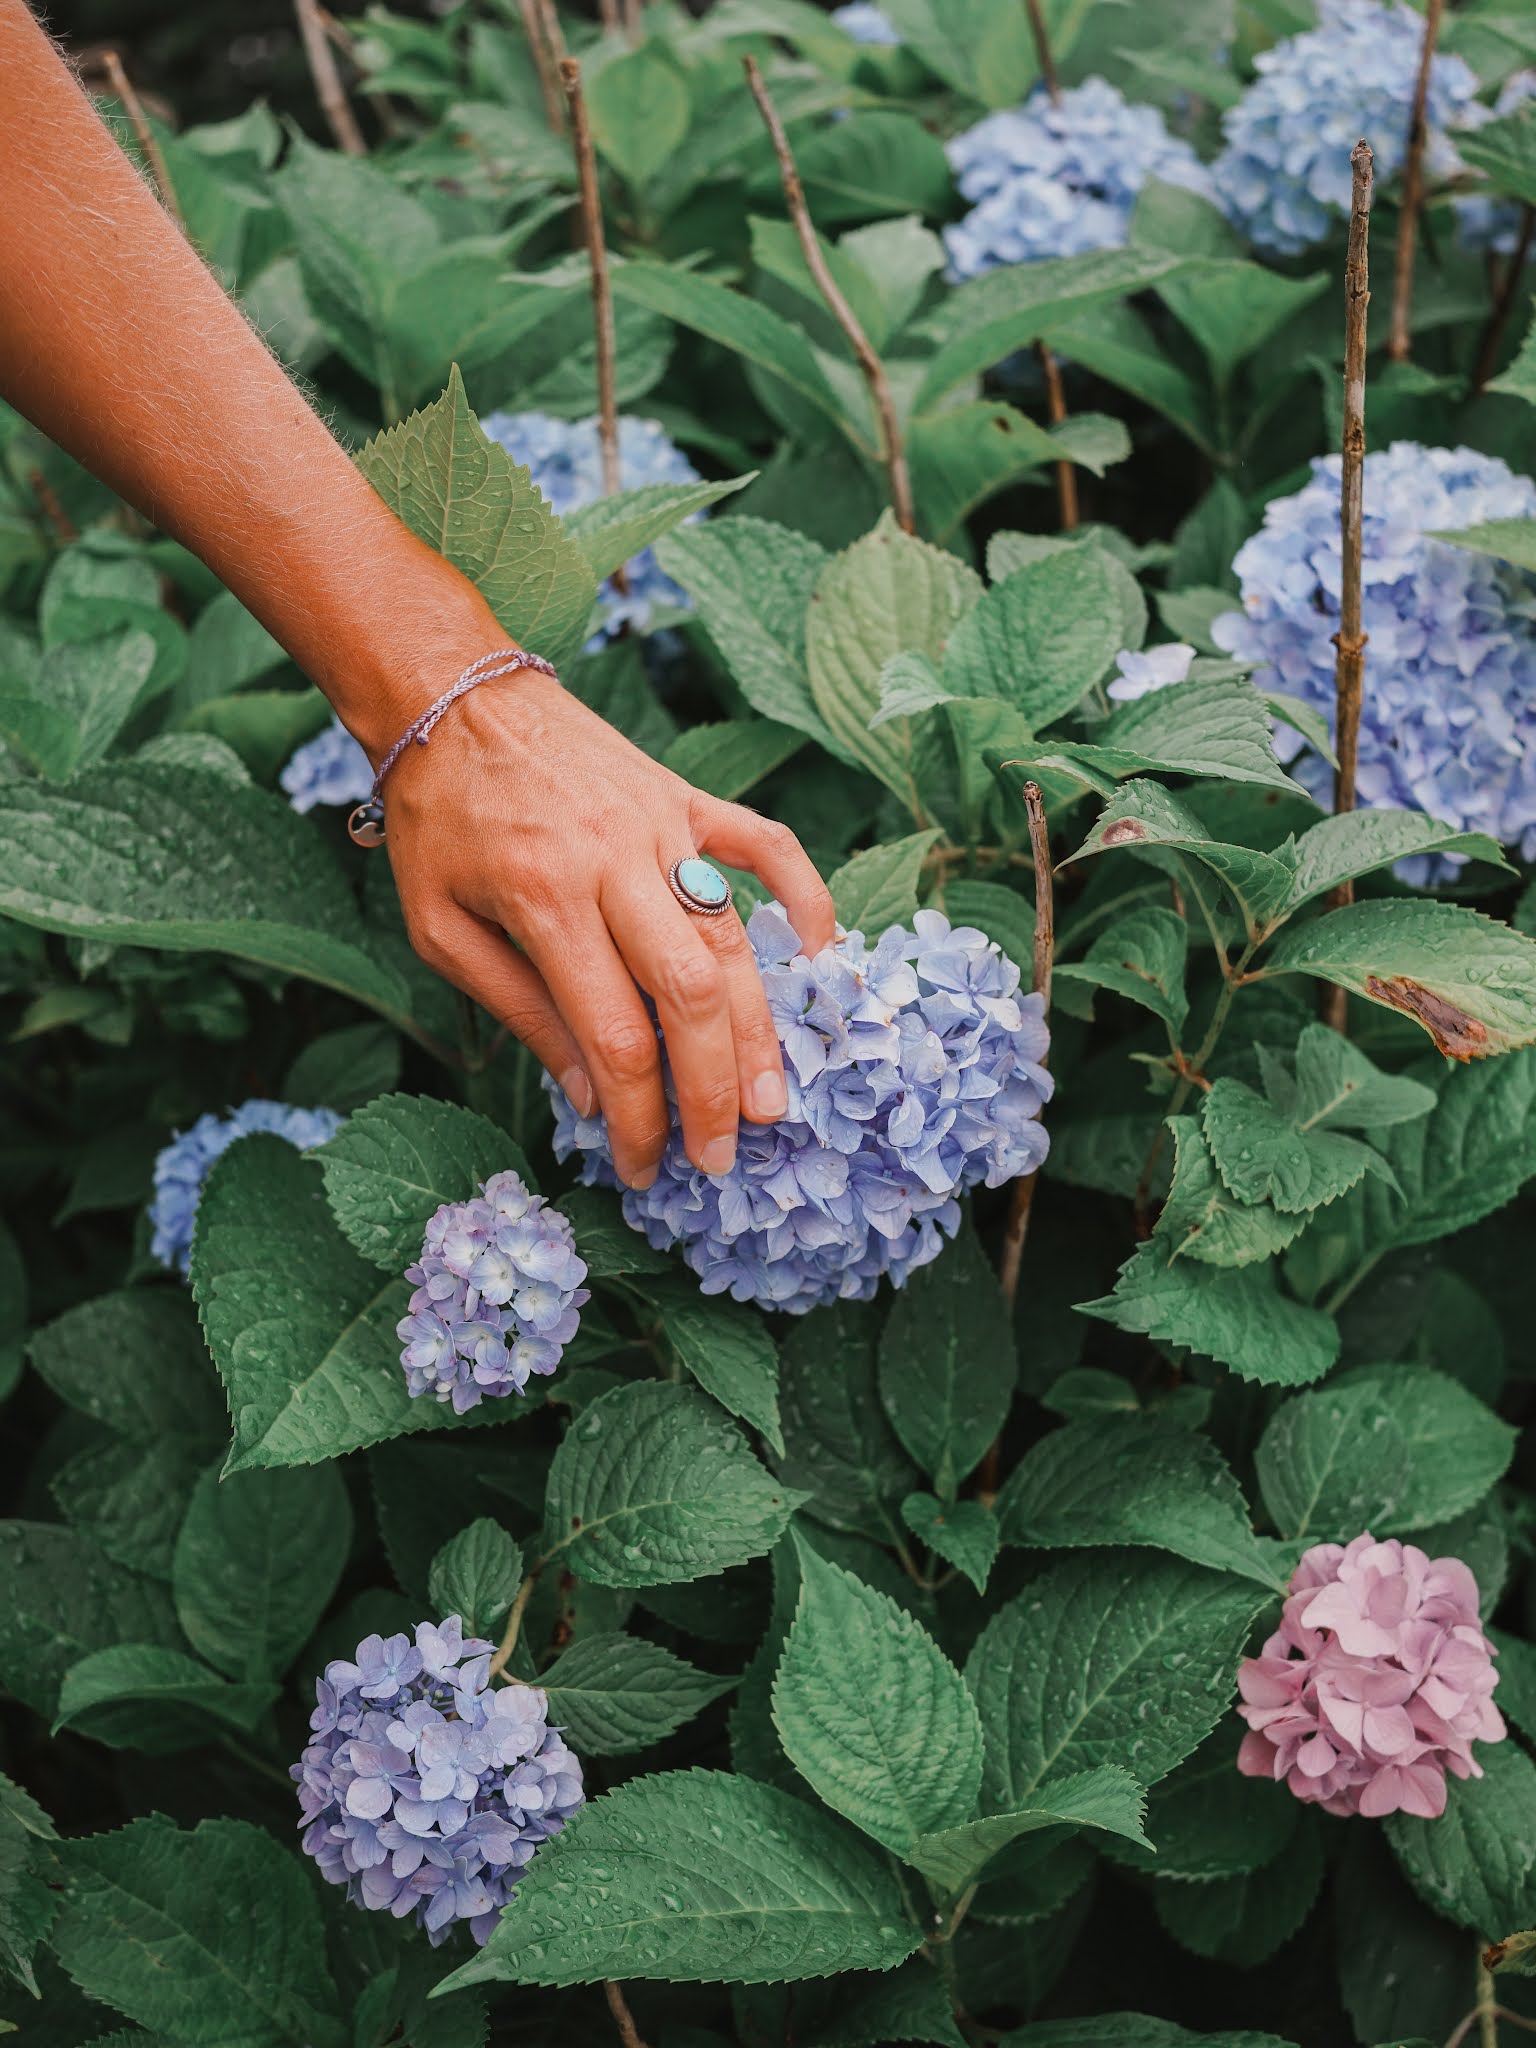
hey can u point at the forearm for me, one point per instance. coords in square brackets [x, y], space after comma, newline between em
[119, 344]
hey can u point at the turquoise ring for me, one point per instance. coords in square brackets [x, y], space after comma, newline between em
[699, 886]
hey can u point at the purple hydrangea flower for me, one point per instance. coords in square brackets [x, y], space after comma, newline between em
[329, 769]
[182, 1166]
[1153, 669]
[565, 459]
[916, 1071]
[1448, 724]
[867, 24]
[497, 1296]
[424, 1789]
[1284, 175]
[1059, 178]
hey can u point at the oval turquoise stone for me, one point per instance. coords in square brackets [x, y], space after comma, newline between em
[703, 881]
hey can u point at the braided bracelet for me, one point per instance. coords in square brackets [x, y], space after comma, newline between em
[366, 824]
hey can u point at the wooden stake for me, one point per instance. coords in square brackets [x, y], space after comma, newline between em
[321, 58]
[1056, 406]
[869, 362]
[133, 107]
[1400, 342]
[1349, 668]
[1017, 1226]
[1043, 51]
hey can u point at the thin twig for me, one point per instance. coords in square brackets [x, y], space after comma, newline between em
[1504, 302]
[330, 92]
[1017, 1226]
[608, 12]
[543, 63]
[1349, 668]
[623, 2018]
[133, 107]
[816, 262]
[346, 43]
[632, 19]
[1400, 341]
[1043, 51]
[554, 35]
[51, 506]
[515, 1622]
[602, 292]
[1056, 406]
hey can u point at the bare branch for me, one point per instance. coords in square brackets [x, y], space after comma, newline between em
[816, 262]
[602, 292]
[1504, 303]
[623, 2018]
[321, 58]
[544, 64]
[1400, 341]
[1056, 406]
[1043, 51]
[632, 19]
[133, 107]
[1017, 1226]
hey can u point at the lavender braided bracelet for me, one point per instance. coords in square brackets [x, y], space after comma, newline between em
[366, 824]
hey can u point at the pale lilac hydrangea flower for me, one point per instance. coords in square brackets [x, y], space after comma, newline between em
[1377, 1682]
[916, 1070]
[1284, 176]
[1152, 669]
[497, 1296]
[1449, 719]
[1059, 177]
[182, 1166]
[867, 24]
[424, 1789]
[329, 769]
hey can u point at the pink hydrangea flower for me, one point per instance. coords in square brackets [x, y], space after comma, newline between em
[1376, 1683]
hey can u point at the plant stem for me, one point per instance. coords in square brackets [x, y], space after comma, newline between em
[515, 1620]
[330, 92]
[1349, 668]
[1503, 305]
[1017, 1226]
[623, 2018]
[1400, 341]
[869, 362]
[602, 293]
[1043, 51]
[632, 19]
[133, 107]
[543, 63]
[608, 10]
[1192, 1072]
[1056, 408]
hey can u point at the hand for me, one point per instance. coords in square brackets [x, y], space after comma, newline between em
[527, 814]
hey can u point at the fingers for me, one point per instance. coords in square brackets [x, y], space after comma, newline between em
[773, 853]
[759, 1058]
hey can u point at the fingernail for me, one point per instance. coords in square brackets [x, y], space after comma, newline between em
[579, 1090]
[645, 1178]
[768, 1095]
[718, 1156]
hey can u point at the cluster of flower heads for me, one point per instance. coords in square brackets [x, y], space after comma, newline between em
[1376, 1683]
[1449, 719]
[329, 769]
[1284, 176]
[425, 1790]
[915, 1070]
[1060, 177]
[866, 23]
[497, 1296]
[565, 459]
[182, 1166]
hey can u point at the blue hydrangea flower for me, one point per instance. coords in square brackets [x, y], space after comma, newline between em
[329, 769]
[916, 1070]
[1284, 175]
[1495, 223]
[1449, 718]
[1153, 669]
[565, 459]
[182, 1166]
[1060, 178]
[425, 1790]
[497, 1296]
[867, 24]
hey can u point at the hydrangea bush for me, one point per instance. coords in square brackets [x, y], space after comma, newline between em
[1039, 1552]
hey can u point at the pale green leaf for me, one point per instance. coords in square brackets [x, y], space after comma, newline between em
[613, 1694]
[1145, 814]
[639, 109]
[1141, 957]
[1264, 1156]
[961, 1532]
[614, 530]
[476, 1575]
[909, 684]
[1343, 848]
[878, 887]
[1006, 917]
[1232, 307]
[140, 1696]
[1108, 1799]
[728, 759]
[1338, 1088]
[1215, 725]
[947, 1364]
[1041, 638]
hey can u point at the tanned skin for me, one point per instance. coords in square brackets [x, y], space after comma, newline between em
[526, 814]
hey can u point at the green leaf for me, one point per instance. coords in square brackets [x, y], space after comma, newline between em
[1243, 1921]
[301, 1328]
[160, 1385]
[257, 1560]
[1107, 1798]
[1232, 307]
[1144, 814]
[463, 495]
[1332, 1463]
[129, 1497]
[64, 1599]
[1265, 1156]
[181, 860]
[1129, 1480]
[476, 1575]
[1338, 1088]
[1457, 1447]
[613, 1693]
[1209, 1822]
[613, 530]
[212, 1937]
[83, 694]
[638, 104]
[1475, 1862]
[878, 887]
[1470, 981]
[654, 1486]
[1118, 344]
[26, 1905]
[909, 684]
[728, 1350]
[965, 454]
[1007, 918]
[697, 1877]
[751, 584]
[395, 1161]
[1141, 957]
[1064, 1673]
[963, 1533]
[1215, 725]
[1041, 638]
[728, 759]
[947, 1364]
[872, 1713]
[1136, 2030]
[343, 1069]
[883, 161]
[1237, 1317]
[1506, 150]
[138, 1696]
[605, 1241]
[887, 594]
[838, 1443]
[1343, 848]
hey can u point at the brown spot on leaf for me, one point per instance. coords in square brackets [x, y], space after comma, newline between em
[1124, 830]
[1457, 1035]
[1493, 1955]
